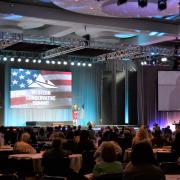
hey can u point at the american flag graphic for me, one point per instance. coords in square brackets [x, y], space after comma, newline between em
[40, 89]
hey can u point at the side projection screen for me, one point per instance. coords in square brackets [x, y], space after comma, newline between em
[40, 89]
[169, 90]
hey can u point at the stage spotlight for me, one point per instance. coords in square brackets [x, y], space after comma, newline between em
[27, 60]
[162, 4]
[84, 64]
[34, 60]
[89, 65]
[119, 2]
[72, 63]
[65, 62]
[39, 61]
[78, 63]
[47, 61]
[164, 59]
[59, 62]
[142, 3]
[4, 58]
[19, 60]
[12, 59]
[53, 62]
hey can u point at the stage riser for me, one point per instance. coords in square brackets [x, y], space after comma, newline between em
[48, 123]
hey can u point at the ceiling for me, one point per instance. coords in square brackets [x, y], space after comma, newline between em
[42, 20]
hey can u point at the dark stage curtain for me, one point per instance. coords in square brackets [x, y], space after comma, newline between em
[147, 93]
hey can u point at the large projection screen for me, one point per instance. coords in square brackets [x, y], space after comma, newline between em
[32, 88]
[169, 90]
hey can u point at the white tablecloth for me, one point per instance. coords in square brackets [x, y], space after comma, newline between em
[173, 177]
[75, 160]
[127, 153]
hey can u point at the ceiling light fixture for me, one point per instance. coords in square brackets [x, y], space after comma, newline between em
[162, 4]
[142, 3]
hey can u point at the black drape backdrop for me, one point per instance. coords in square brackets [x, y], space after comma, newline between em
[147, 93]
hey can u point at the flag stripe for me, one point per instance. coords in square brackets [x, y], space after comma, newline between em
[19, 100]
[55, 72]
[61, 82]
[57, 77]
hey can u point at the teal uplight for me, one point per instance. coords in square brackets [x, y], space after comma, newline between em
[126, 96]
[13, 17]
[124, 35]
[161, 34]
[153, 33]
[171, 17]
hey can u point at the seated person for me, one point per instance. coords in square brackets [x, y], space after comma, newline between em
[109, 163]
[23, 145]
[157, 140]
[55, 162]
[143, 164]
[176, 144]
[98, 152]
[85, 144]
[141, 136]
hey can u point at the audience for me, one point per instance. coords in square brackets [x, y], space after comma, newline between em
[53, 160]
[23, 145]
[176, 144]
[56, 163]
[141, 136]
[109, 163]
[143, 165]
[85, 144]
[108, 152]
[157, 140]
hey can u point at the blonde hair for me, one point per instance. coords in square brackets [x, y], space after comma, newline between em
[25, 137]
[141, 136]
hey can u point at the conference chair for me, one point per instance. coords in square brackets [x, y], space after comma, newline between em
[8, 177]
[170, 167]
[109, 177]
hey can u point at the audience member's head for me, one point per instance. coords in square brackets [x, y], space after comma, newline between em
[25, 137]
[108, 153]
[57, 143]
[84, 135]
[142, 134]
[142, 153]
[58, 135]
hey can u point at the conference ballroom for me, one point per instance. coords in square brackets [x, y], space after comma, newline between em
[89, 89]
